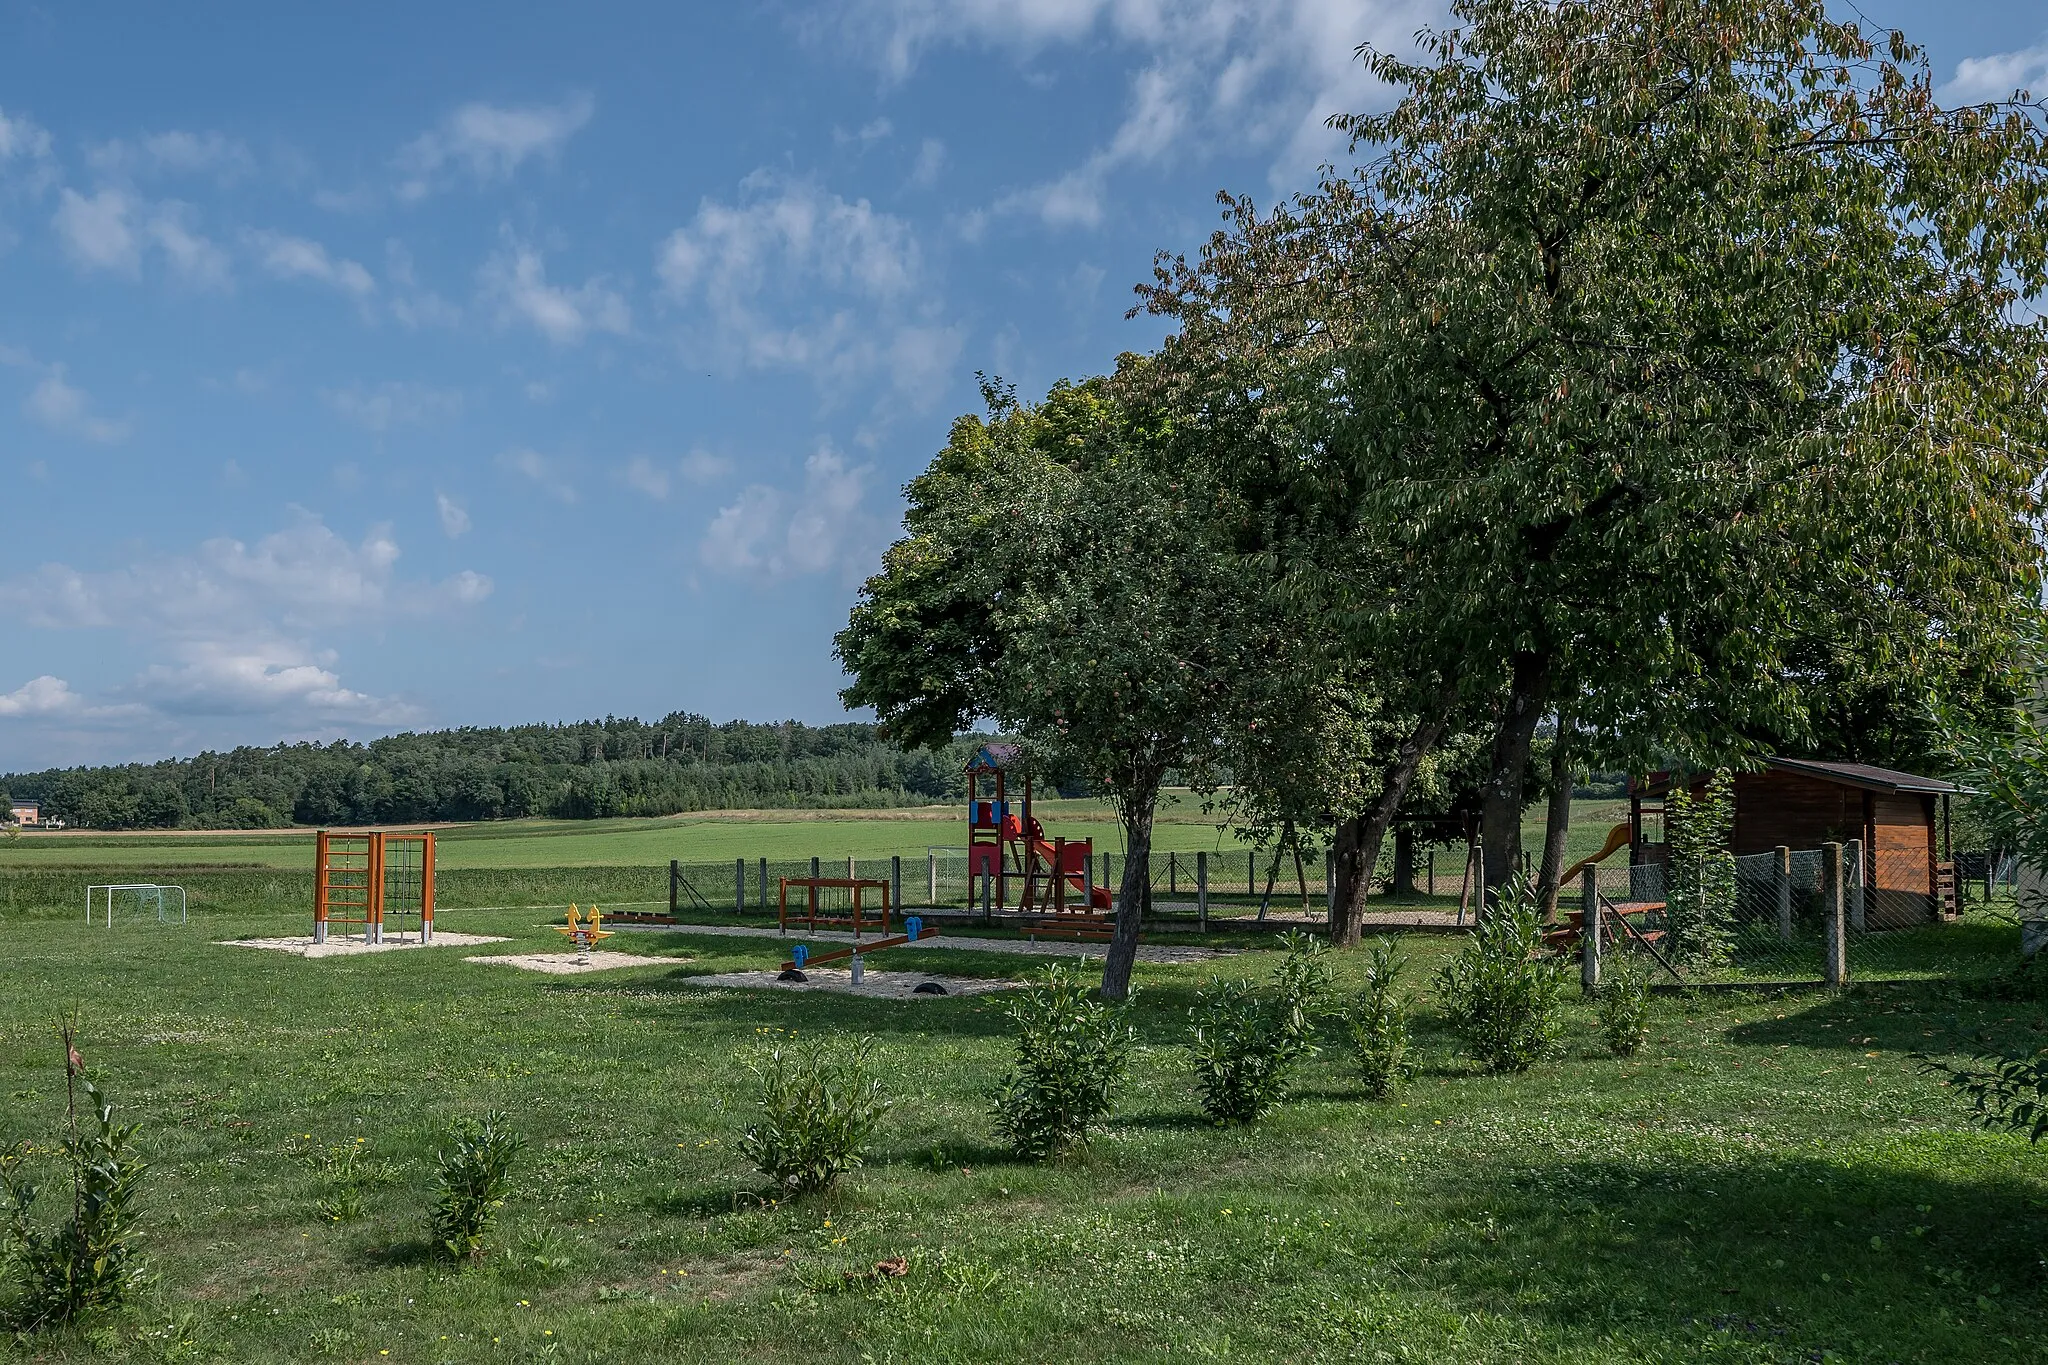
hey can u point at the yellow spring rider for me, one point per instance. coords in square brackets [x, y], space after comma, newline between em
[584, 932]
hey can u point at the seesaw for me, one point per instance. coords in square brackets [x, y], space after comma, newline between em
[801, 956]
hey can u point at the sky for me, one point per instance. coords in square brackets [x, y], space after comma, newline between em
[374, 367]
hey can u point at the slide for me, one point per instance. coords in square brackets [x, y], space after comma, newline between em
[1617, 839]
[1098, 896]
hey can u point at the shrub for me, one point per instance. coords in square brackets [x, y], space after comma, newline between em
[1072, 1054]
[475, 1171]
[88, 1262]
[817, 1113]
[2009, 1093]
[1248, 1039]
[1699, 892]
[1379, 1024]
[1623, 1003]
[1501, 993]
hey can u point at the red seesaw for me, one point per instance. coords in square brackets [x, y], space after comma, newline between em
[804, 959]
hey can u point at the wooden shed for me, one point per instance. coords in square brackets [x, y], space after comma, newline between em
[1900, 822]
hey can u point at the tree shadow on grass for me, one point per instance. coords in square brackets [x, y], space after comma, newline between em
[1896, 1019]
[411, 1251]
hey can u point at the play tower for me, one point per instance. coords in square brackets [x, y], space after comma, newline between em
[1006, 845]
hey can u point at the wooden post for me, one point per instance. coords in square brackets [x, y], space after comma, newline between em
[762, 882]
[782, 903]
[1172, 873]
[1784, 879]
[1835, 961]
[373, 930]
[984, 899]
[850, 872]
[739, 886]
[319, 889]
[674, 871]
[895, 885]
[426, 888]
[931, 879]
[1329, 886]
[1202, 891]
[1853, 877]
[1432, 872]
[1251, 872]
[1589, 931]
[814, 869]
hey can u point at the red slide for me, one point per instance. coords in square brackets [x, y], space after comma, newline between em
[1098, 896]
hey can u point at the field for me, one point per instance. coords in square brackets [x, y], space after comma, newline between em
[1773, 1181]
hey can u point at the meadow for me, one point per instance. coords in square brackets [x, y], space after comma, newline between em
[1773, 1180]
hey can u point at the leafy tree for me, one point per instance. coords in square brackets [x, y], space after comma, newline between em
[1056, 580]
[1649, 333]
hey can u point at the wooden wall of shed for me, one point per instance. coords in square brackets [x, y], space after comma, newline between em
[1773, 808]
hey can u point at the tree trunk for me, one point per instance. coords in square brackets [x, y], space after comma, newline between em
[1500, 813]
[1404, 861]
[1134, 895]
[1558, 821]
[1357, 850]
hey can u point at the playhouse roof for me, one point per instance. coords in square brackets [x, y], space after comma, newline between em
[1863, 775]
[993, 756]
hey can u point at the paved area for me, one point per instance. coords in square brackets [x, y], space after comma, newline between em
[1171, 955]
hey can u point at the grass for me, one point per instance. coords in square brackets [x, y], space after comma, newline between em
[1774, 1180]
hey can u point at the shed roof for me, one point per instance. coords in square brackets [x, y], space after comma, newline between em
[1862, 775]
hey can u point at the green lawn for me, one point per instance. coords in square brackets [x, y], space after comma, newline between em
[1774, 1181]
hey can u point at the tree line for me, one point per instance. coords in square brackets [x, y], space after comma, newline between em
[1662, 376]
[609, 767]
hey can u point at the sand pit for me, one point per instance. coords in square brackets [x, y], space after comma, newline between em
[568, 964]
[344, 947]
[882, 985]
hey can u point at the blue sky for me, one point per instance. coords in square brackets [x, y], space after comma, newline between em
[414, 366]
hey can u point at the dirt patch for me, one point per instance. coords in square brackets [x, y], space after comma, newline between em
[568, 964]
[882, 985]
[347, 947]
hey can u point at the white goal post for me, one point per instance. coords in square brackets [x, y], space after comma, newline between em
[146, 894]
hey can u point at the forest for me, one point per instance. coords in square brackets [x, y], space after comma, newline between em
[583, 770]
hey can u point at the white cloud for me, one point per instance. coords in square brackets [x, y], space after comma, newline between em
[174, 153]
[395, 403]
[96, 233]
[1978, 79]
[539, 470]
[64, 407]
[1244, 74]
[516, 280]
[931, 159]
[19, 136]
[192, 255]
[43, 696]
[701, 466]
[490, 142]
[286, 257]
[261, 677]
[770, 534]
[643, 475]
[795, 277]
[657, 479]
[454, 519]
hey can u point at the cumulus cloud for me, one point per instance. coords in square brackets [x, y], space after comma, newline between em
[1247, 74]
[64, 407]
[285, 257]
[515, 280]
[394, 403]
[489, 142]
[21, 138]
[769, 534]
[793, 276]
[43, 696]
[454, 519]
[175, 152]
[192, 256]
[1996, 77]
[261, 677]
[540, 471]
[96, 233]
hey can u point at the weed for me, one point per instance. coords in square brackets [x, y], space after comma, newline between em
[1072, 1054]
[817, 1114]
[474, 1169]
[1248, 1039]
[1623, 1003]
[1501, 993]
[1378, 1023]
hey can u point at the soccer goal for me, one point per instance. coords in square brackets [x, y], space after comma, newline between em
[139, 897]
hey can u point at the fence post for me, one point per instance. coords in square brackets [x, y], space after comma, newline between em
[1835, 966]
[851, 870]
[984, 898]
[1784, 879]
[675, 871]
[1251, 872]
[931, 879]
[762, 882]
[814, 869]
[1478, 856]
[1432, 872]
[739, 886]
[896, 882]
[1329, 888]
[1852, 862]
[1172, 873]
[1589, 932]
[1202, 891]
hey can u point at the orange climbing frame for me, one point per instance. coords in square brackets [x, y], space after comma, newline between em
[360, 879]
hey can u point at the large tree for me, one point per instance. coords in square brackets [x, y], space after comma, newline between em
[1650, 334]
[1055, 580]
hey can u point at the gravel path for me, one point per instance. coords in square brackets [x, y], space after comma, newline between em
[1153, 953]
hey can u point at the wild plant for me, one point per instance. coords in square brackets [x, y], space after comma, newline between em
[1378, 1023]
[474, 1171]
[1247, 1039]
[818, 1112]
[1073, 1052]
[1623, 1004]
[89, 1261]
[1501, 993]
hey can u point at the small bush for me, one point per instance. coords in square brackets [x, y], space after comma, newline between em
[1072, 1054]
[1379, 1024]
[1248, 1039]
[475, 1172]
[88, 1262]
[2008, 1093]
[1501, 993]
[1623, 1003]
[817, 1114]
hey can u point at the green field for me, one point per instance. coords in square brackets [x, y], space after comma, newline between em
[1774, 1181]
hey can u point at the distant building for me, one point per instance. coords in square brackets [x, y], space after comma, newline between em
[25, 812]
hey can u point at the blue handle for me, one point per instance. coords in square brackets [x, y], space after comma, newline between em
[798, 955]
[914, 926]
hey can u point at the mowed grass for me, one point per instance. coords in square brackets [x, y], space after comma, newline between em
[1773, 1181]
